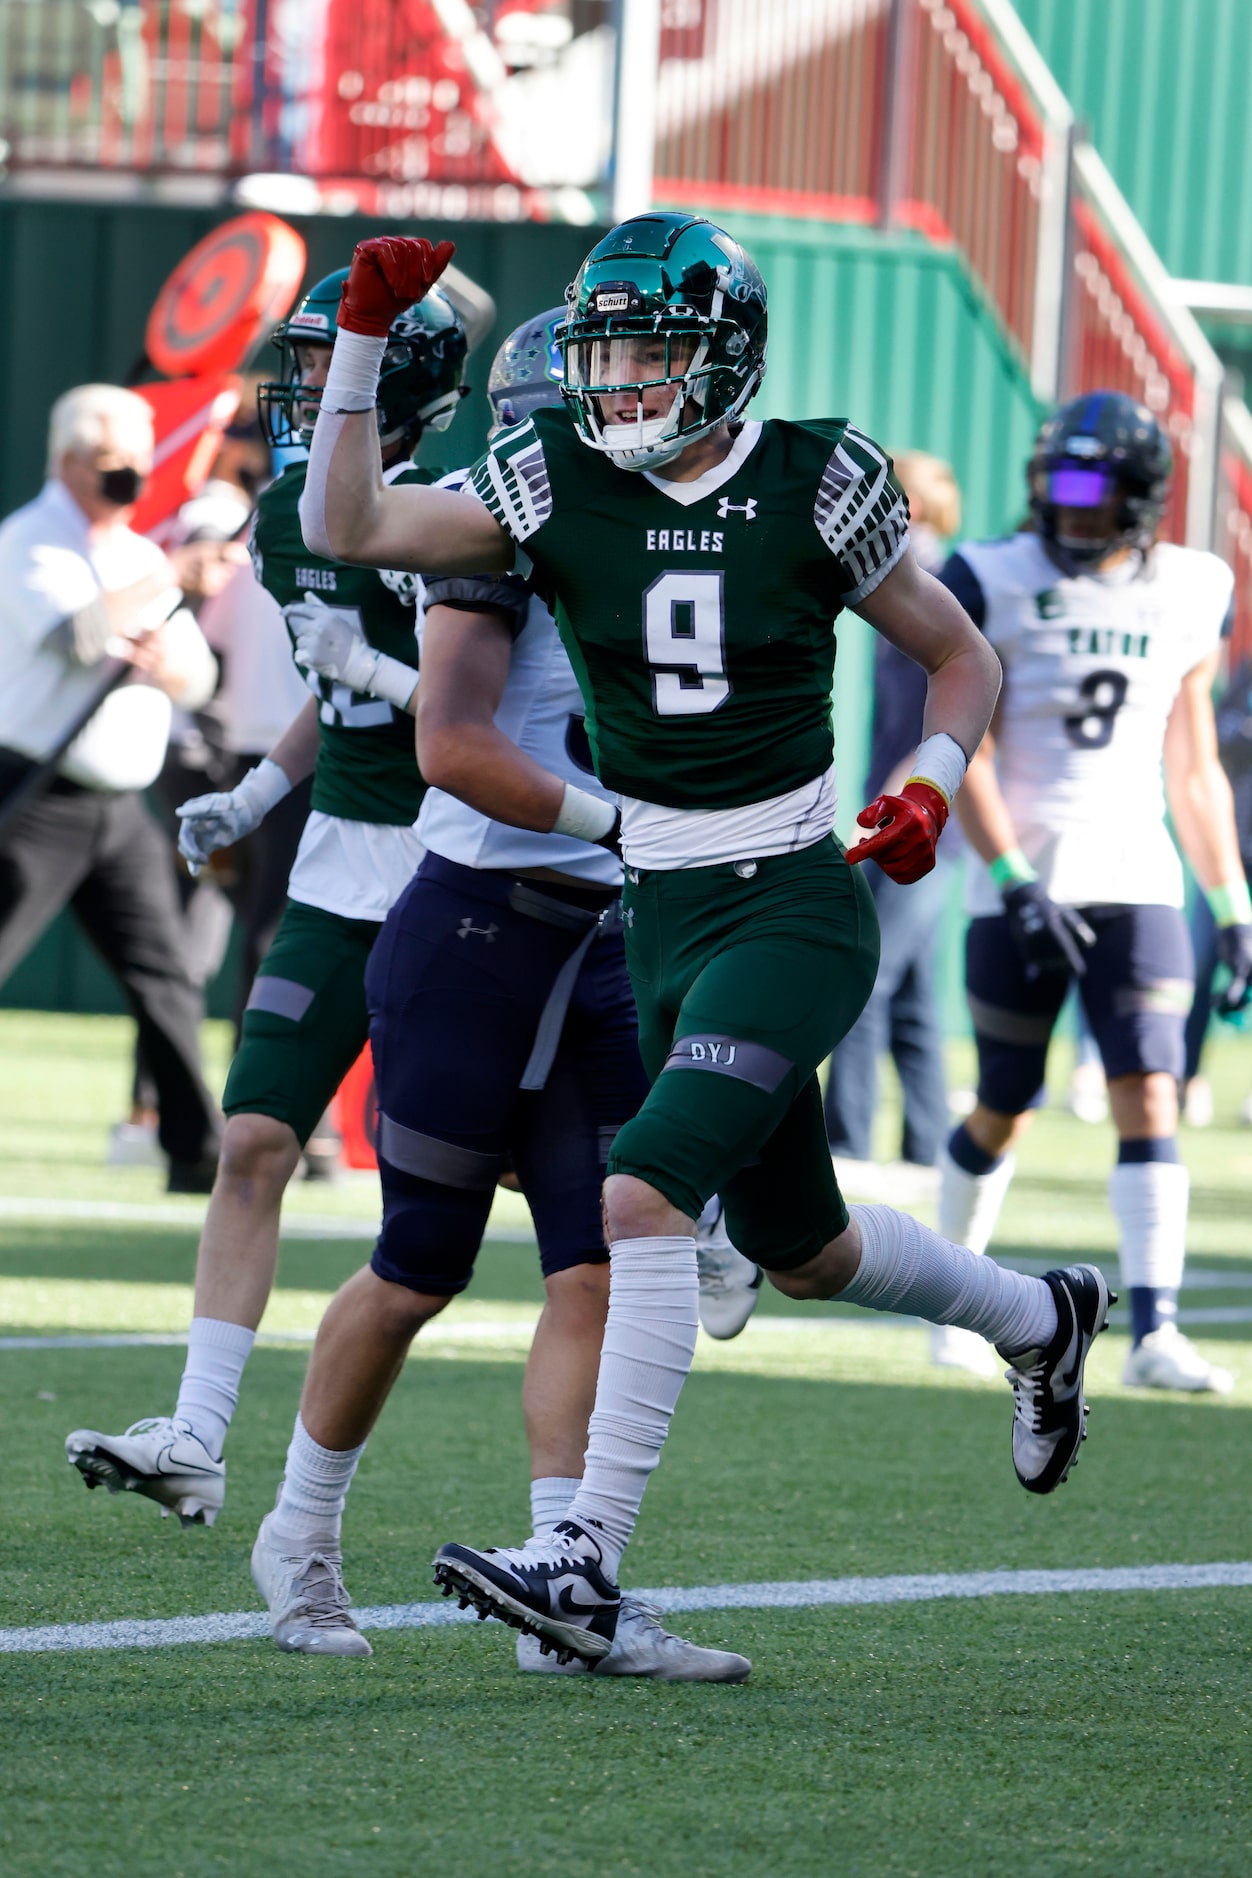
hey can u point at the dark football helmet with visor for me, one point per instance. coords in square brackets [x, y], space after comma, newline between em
[1103, 451]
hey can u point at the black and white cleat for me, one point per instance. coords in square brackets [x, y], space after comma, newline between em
[554, 1587]
[1049, 1413]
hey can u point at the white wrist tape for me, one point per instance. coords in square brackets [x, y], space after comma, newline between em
[941, 762]
[352, 381]
[393, 680]
[267, 784]
[585, 817]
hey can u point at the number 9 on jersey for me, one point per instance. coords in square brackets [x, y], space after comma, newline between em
[684, 623]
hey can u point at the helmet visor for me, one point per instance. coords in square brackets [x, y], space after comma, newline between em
[1075, 488]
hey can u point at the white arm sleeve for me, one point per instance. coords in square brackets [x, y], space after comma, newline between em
[351, 386]
[326, 433]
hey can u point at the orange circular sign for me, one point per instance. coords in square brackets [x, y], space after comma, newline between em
[242, 278]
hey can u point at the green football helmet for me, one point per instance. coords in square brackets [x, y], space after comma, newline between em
[419, 385]
[665, 300]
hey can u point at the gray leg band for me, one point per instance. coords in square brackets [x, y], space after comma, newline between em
[432, 1159]
[281, 997]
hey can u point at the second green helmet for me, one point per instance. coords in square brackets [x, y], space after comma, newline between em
[419, 385]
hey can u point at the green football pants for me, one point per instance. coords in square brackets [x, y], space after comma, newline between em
[745, 981]
[306, 1021]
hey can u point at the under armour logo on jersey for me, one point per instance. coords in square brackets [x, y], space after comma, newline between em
[629, 915]
[467, 927]
[747, 509]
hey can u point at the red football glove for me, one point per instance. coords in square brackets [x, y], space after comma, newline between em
[907, 827]
[388, 273]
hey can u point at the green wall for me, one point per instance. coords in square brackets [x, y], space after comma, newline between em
[1161, 87]
[887, 330]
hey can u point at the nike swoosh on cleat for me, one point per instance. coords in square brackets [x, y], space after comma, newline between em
[567, 1603]
[190, 1467]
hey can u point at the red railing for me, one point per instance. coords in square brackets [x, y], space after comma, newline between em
[770, 105]
[913, 112]
[1126, 333]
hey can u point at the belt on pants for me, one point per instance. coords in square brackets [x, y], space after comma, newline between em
[531, 904]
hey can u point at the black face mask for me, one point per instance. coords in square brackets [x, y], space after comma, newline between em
[121, 486]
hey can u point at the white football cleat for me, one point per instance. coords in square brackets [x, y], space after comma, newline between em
[730, 1284]
[307, 1599]
[1197, 1103]
[1088, 1096]
[641, 1647]
[134, 1144]
[1167, 1360]
[161, 1458]
[953, 1348]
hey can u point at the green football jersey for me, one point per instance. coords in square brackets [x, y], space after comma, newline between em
[699, 616]
[366, 769]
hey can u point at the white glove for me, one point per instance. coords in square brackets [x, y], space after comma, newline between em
[333, 643]
[218, 821]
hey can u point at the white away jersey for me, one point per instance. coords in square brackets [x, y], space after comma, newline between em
[1092, 666]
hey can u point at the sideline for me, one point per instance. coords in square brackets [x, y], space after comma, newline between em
[239, 1626]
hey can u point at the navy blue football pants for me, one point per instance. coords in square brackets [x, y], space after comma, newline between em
[458, 985]
[1136, 992]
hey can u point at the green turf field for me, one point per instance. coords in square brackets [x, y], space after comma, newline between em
[1094, 1732]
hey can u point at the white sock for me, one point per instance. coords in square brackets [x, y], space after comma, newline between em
[1149, 1201]
[969, 1204]
[550, 1499]
[906, 1267]
[649, 1341]
[315, 1488]
[209, 1391]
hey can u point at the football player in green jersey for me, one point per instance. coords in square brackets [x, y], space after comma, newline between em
[696, 561]
[353, 633]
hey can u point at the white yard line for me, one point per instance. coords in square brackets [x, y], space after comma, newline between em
[191, 1215]
[238, 1626]
[509, 1330]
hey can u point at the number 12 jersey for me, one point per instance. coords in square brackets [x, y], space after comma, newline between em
[1092, 666]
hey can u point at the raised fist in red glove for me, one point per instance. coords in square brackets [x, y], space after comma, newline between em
[388, 273]
[906, 829]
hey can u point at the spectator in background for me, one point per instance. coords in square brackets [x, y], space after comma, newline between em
[1234, 741]
[77, 586]
[900, 1016]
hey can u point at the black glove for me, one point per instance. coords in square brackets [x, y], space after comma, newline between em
[1048, 936]
[1234, 951]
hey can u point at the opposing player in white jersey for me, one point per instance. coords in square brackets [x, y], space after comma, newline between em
[1109, 643]
[502, 1023]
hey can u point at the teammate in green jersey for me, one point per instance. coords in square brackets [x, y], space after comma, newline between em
[306, 1020]
[696, 562]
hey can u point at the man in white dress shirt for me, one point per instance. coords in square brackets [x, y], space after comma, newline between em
[78, 586]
